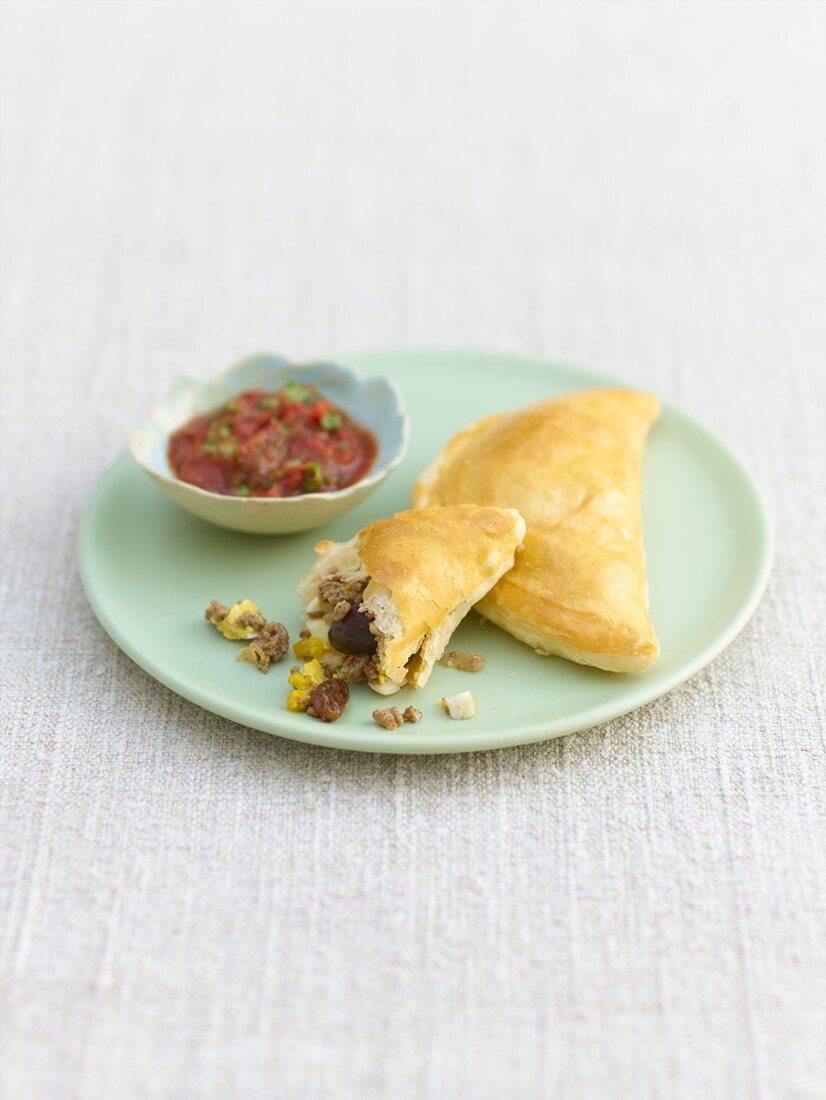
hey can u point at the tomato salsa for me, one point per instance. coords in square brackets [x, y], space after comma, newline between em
[278, 444]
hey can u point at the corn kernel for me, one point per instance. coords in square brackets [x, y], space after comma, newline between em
[314, 672]
[303, 682]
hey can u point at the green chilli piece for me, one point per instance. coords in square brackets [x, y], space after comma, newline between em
[296, 392]
[312, 476]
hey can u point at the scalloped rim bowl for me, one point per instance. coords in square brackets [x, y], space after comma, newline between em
[374, 402]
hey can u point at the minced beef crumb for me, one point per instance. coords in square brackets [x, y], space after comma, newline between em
[216, 611]
[390, 718]
[251, 621]
[328, 700]
[351, 668]
[270, 646]
[333, 590]
[304, 633]
[342, 608]
[275, 639]
[355, 669]
[467, 662]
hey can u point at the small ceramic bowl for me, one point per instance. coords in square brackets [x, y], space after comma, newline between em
[374, 402]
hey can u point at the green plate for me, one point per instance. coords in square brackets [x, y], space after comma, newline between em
[149, 568]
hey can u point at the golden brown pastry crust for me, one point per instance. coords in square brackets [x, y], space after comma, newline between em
[425, 568]
[413, 556]
[571, 465]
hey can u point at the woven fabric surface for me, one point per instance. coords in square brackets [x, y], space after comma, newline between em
[194, 910]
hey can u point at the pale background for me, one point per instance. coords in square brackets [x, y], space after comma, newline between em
[194, 910]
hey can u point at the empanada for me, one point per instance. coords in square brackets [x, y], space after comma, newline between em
[387, 601]
[571, 465]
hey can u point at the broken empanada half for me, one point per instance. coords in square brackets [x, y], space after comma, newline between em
[572, 466]
[385, 604]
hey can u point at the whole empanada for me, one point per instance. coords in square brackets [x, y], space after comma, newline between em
[572, 467]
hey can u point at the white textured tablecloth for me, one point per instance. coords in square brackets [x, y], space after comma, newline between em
[194, 910]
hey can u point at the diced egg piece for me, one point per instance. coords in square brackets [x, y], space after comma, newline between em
[459, 706]
[385, 686]
[318, 629]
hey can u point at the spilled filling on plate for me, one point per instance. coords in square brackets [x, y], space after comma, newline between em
[345, 632]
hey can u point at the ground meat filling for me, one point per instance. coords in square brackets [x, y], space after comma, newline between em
[252, 622]
[270, 646]
[335, 590]
[216, 611]
[390, 718]
[347, 658]
[353, 669]
[467, 662]
[275, 639]
[328, 700]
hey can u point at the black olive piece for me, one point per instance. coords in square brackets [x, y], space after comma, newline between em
[352, 635]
